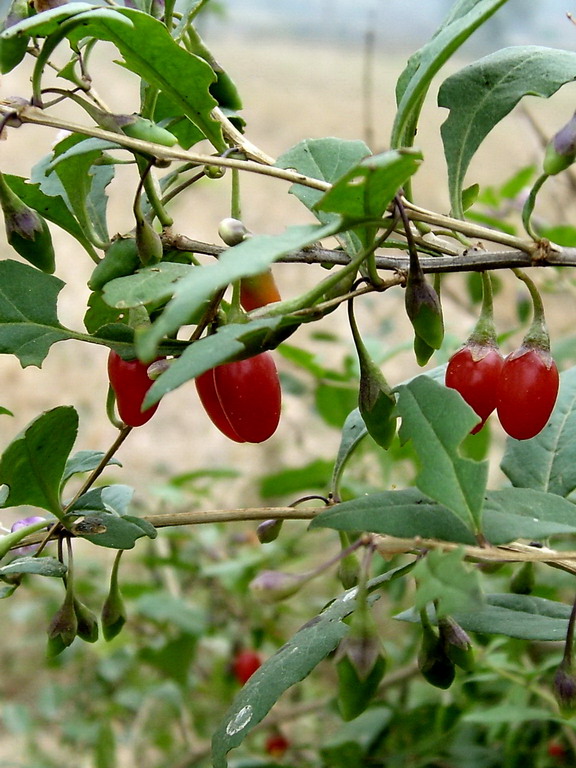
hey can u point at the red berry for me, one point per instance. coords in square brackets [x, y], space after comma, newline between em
[474, 372]
[556, 750]
[243, 398]
[244, 665]
[130, 382]
[527, 392]
[276, 745]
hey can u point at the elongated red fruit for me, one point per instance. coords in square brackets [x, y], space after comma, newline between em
[130, 382]
[243, 398]
[527, 392]
[474, 371]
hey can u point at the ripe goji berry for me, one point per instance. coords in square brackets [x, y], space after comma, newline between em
[527, 391]
[130, 382]
[474, 371]
[243, 398]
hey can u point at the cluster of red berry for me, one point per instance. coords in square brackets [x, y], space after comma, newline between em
[522, 387]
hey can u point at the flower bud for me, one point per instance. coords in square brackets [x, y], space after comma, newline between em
[26, 231]
[523, 580]
[355, 690]
[457, 643]
[424, 310]
[434, 664]
[269, 531]
[63, 627]
[564, 688]
[113, 615]
[148, 243]
[560, 152]
[232, 231]
[87, 622]
[273, 586]
[348, 571]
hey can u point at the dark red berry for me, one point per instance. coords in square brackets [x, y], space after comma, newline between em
[244, 665]
[474, 371]
[276, 745]
[527, 392]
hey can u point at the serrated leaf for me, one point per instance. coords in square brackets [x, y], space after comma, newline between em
[40, 566]
[484, 92]
[292, 663]
[547, 462]
[251, 257]
[442, 578]
[437, 420]
[32, 466]
[28, 321]
[147, 286]
[520, 616]
[235, 341]
[52, 207]
[414, 82]
[405, 514]
[86, 461]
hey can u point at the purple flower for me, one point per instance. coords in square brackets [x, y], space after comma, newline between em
[26, 521]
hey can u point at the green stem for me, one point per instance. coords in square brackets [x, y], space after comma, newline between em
[568, 647]
[537, 334]
[484, 331]
[528, 208]
[235, 203]
[49, 45]
[156, 203]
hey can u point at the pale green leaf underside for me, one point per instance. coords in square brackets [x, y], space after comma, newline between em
[484, 92]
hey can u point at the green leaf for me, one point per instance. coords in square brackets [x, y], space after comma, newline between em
[414, 82]
[41, 566]
[249, 258]
[327, 159]
[442, 578]
[235, 341]
[484, 92]
[511, 714]
[521, 616]
[311, 477]
[292, 663]
[437, 420]
[405, 514]
[148, 286]
[84, 183]
[98, 516]
[53, 208]
[183, 77]
[28, 321]
[521, 513]
[85, 461]
[366, 190]
[32, 466]
[509, 514]
[353, 431]
[547, 462]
